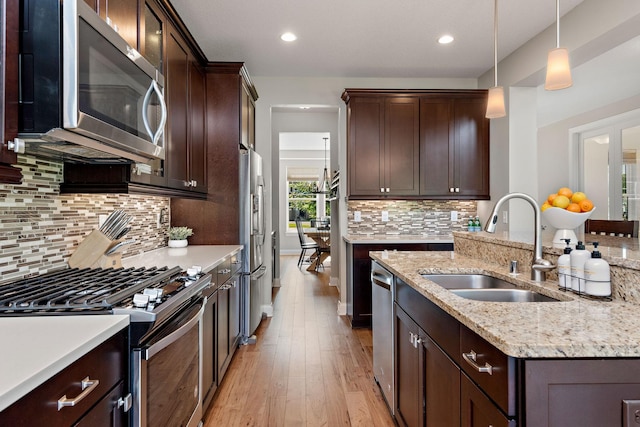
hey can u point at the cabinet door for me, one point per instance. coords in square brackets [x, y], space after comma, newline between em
[366, 146]
[478, 411]
[223, 331]
[436, 151]
[442, 386]
[177, 90]
[401, 146]
[122, 15]
[471, 134]
[107, 412]
[247, 118]
[152, 34]
[409, 385]
[197, 162]
[234, 313]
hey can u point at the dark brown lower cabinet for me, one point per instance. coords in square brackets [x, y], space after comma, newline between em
[441, 380]
[476, 410]
[359, 275]
[428, 382]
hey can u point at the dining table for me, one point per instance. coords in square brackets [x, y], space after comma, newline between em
[322, 236]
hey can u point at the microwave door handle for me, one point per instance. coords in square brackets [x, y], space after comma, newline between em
[153, 87]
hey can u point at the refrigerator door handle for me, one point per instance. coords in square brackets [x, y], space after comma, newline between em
[259, 272]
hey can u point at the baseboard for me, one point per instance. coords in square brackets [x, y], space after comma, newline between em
[268, 310]
[342, 309]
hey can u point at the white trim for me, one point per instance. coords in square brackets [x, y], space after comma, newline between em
[268, 310]
[333, 281]
[342, 309]
[276, 283]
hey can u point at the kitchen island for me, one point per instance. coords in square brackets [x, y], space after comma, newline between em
[573, 361]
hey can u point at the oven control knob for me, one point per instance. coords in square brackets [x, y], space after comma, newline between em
[192, 272]
[154, 293]
[140, 300]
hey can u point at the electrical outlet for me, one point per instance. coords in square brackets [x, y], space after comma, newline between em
[385, 216]
[505, 217]
[102, 219]
[454, 215]
[357, 216]
[159, 219]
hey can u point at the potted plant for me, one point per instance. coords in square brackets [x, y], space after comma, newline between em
[178, 236]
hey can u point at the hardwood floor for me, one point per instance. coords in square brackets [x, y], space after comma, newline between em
[308, 367]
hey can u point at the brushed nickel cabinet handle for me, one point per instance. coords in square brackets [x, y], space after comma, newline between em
[470, 358]
[87, 387]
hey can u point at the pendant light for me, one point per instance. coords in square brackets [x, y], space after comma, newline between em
[324, 187]
[558, 69]
[495, 103]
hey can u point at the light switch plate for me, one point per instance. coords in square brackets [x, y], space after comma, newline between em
[630, 413]
[454, 215]
[357, 216]
[385, 216]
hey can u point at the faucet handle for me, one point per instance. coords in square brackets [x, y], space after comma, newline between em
[543, 265]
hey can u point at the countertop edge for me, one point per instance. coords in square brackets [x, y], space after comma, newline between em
[39, 377]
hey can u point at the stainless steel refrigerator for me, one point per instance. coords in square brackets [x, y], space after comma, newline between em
[252, 236]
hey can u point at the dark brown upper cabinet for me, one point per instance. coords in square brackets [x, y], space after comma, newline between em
[454, 146]
[9, 91]
[121, 15]
[417, 144]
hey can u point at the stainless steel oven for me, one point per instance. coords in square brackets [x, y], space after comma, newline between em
[166, 372]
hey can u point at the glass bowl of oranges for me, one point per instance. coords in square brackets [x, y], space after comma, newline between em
[565, 211]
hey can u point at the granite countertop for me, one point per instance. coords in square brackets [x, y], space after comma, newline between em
[206, 256]
[396, 238]
[572, 327]
[37, 348]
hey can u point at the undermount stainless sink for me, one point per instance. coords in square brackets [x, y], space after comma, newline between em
[502, 295]
[485, 288]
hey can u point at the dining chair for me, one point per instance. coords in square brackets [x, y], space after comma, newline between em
[305, 245]
[611, 227]
[324, 245]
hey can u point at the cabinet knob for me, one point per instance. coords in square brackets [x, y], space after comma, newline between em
[387, 189]
[457, 190]
[194, 183]
[451, 190]
[186, 183]
[381, 190]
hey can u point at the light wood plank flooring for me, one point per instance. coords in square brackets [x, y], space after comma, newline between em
[308, 368]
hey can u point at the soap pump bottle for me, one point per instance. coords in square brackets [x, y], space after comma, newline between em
[597, 274]
[577, 259]
[564, 267]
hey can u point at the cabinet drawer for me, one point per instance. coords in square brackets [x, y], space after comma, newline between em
[477, 410]
[500, 384]
[224, 271]
[439, 325]
[107, 363]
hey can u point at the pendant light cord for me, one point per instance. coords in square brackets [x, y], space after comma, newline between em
[557, 24]
[495, 43]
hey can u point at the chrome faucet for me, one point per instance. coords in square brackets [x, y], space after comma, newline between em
[539, 266]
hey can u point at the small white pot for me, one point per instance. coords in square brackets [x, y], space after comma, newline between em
[178, 243]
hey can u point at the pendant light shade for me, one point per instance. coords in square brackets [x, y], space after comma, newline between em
[558, 68]
[495, 103]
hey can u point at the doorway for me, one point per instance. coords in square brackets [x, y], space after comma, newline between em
[609, 153]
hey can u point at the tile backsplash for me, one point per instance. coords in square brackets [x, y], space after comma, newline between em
[409, 217]
[40, 228]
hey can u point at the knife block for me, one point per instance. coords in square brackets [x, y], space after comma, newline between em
[90, 253]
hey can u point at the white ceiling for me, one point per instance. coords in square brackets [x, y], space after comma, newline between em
[364, 38]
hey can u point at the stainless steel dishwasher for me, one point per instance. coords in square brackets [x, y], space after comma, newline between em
[382, 290]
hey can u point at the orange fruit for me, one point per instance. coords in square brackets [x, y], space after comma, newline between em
[551, 197]
[574, 207]
[544, 206]
[578, 196]
[565, 191]
[586, 205]
[561, 201]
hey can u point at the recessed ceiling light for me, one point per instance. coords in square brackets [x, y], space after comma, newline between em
[446, 39]
[288, 37]
[305, 108]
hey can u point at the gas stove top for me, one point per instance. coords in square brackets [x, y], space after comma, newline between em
[146, 294]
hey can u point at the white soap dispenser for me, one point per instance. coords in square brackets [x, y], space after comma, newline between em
[597, 275]
[577, 259]
[564, 267]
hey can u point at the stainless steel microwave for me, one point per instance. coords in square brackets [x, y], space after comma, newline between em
[85, 94]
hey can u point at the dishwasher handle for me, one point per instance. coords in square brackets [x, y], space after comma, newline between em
[381, 280]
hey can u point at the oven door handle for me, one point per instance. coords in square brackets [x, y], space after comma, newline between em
[175, 335]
